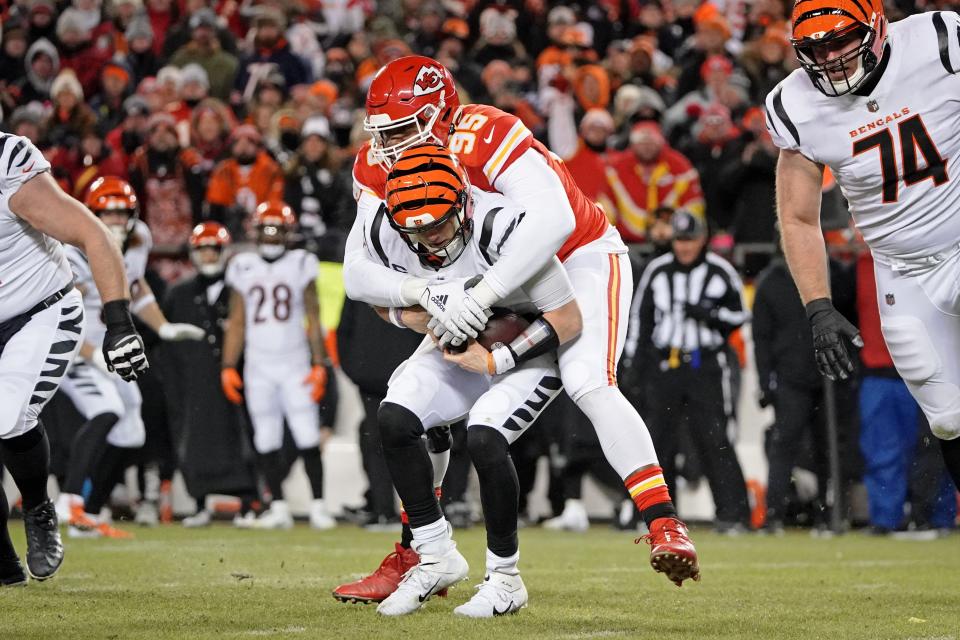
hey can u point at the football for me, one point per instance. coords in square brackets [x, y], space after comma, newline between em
[503, 326]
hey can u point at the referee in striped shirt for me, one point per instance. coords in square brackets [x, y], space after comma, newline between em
[687, 304]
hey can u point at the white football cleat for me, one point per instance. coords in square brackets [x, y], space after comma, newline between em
[498, 595]
[432, 574]
[201, 518]
[64, 506]
[574, 518]
[147, 514]
[276, 517]
[244, 520]
[320, 518]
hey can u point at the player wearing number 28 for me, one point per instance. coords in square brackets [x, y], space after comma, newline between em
[275, 321]
[879, 104]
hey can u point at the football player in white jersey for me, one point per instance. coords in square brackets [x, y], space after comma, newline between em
[274, 322]
[879, 104]
[102, 448]
[435, 225]
[41, 327]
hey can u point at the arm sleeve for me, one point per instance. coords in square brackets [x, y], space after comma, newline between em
[535, 188]
[550, 288]
[367, 276]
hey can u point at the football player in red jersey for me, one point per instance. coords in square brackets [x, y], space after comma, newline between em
[413, 101]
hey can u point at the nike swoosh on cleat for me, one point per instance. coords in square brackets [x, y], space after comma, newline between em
[509, 609]
[429, 591]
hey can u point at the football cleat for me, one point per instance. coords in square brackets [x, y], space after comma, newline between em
[572, 518]
[382, 582]
[65, 502]
[201, 518]
[671, 550]
[245, 520]
[148, 515]
[44, 548]
[498, 595]
[420, 583]
[12, 573]
[320, 518]
[276, 517]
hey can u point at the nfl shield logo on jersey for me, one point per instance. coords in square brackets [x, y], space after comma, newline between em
[890, 299]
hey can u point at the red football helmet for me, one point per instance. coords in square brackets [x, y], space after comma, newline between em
[209, 235]
[426, 189]
[110, 194]
[821, 27]
[413, 97]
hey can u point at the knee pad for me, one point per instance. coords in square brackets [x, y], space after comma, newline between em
[487, 446]
[910, 347]
[439, 439]
[399, 427]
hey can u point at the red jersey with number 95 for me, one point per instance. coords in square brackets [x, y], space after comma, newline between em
[487, 141]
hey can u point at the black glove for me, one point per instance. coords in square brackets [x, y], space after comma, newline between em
[768, 391]
[830, 332]
[705, 311]
[122, 345]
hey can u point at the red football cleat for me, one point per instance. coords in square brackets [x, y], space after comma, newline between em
[382, 582]
[671, 550]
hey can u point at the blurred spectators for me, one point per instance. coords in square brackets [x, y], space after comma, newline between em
[714, 144]
[271, 51]
[649, 175]
[205, 49]
[242, 180]
[169, 186]
[79, 51]
[70, 118]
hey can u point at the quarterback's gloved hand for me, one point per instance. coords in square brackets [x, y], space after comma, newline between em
[176, 332]
[317, 379]
[830, 332]
[231, 382]
[122, 345]
[463, 310]
[444, 338]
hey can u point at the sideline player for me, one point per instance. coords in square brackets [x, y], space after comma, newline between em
[41, 326]
[879, 104]
[273, 297]
[114, 428]
[413, 101]
[428, 228]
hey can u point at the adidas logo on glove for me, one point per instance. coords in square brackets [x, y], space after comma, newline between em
[440, 301]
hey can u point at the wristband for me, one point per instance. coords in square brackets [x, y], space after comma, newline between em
[116, 313]
[140, 303]
[395, 314]
[500, 360]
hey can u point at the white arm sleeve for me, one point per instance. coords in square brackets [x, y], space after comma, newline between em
[365, 276]
[550, 288]
[535, 188]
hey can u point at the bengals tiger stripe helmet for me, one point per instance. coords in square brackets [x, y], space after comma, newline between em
[414, 96]
[110, 194]
[274, 222]
[209, 235]
[821, 27]
[427, 188]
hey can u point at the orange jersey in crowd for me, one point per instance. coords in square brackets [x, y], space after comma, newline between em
[487, 141]
[232, 184]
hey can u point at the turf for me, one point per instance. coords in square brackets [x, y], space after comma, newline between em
[224, 583]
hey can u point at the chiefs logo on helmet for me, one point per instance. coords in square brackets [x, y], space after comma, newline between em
[428, 81]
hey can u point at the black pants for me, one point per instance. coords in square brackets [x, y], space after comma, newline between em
[799, 427]
[695, 399]
[380, 500]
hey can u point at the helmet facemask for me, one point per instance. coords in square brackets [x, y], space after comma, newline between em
[421, 125]
[272, 240]
[439, 256]
[119, 231]
[865, 56]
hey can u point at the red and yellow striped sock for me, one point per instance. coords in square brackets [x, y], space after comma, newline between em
[649, 492]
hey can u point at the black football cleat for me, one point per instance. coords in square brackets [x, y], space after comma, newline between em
[12, 573]
[44, 548]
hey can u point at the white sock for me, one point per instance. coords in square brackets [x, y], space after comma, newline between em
[440, 462]
[622, 433]
[432, 539]
[503, 565]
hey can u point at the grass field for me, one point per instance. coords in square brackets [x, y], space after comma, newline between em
[225, 583]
